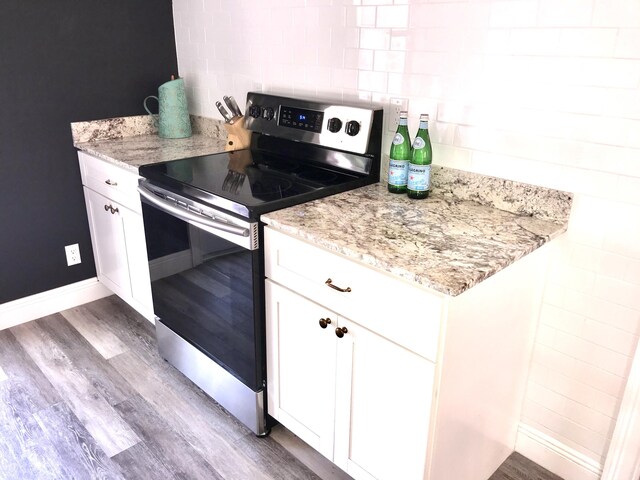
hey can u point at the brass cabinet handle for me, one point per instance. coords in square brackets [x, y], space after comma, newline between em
[110, 208]
[341, 331]
[324, 322]
[344, 290]
[111, 182]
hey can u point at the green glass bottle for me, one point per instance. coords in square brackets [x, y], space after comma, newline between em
[399, 157]
[419, 178]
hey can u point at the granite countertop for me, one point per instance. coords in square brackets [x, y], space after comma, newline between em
[470, 227]
[133, 141]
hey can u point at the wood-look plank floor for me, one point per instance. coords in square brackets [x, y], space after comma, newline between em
[84, 394]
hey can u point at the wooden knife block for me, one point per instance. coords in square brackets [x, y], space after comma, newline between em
[237, 136]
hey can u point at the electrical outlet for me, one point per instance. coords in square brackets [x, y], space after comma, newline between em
[73, 254]
[396, 105]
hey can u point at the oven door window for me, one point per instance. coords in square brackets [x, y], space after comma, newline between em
[204, 290]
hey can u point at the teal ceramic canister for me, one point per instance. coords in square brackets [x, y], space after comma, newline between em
[173, 112]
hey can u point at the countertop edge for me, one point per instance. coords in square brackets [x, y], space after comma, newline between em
[401, 273]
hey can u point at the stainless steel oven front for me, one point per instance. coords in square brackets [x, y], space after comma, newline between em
[206, 272]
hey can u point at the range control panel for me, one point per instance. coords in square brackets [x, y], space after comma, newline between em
[341, 127]
[301, 118]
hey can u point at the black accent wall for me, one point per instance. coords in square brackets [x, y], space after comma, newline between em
[64, 61]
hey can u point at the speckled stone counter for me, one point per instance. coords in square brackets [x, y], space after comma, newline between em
[133, 141]
[470, 227]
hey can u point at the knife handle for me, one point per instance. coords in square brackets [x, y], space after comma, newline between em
[223, 112]
[233, 106]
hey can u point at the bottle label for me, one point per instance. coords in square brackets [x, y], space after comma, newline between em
[398, 139]
[398, 170]
[419, 178]
[418, 143]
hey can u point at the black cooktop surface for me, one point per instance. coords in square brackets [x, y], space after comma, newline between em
[249, 182]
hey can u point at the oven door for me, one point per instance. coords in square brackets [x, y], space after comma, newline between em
[206, 282]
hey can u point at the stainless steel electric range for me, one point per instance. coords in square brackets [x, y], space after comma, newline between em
[204, 236]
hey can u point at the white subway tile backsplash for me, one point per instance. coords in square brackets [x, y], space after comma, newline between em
[453, 157]
[632, 273]
[562, 320]
[587, 42]
[513, 13]
[611, 361]
[361, 16]
[616, 315]
[534, 41]
[358, 58]
[616, 13]
[396, 16]
[546, 397]
[372, 81]
[620, 292]
[628, 43]
[307, 16]
[346, 78]
[540, 91]
[565, 13]
[599, 379]
[280, 18]
[374, 39]
[389, 61]
[584, 394]
[436, 39]
[573, 347]
[349, 37]
[554, 359]
[610, 337]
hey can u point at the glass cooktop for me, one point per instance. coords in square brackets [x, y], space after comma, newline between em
[249, 182]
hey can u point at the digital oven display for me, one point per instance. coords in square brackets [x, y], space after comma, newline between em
[301, 119]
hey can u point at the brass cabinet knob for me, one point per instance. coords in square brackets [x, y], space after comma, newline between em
[324, 322]
[110, 208]
[341, 331]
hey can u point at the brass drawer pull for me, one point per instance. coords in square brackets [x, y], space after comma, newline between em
[324, 322]
[328, 282]
[110, 208]
[111, 182]
[341, 331]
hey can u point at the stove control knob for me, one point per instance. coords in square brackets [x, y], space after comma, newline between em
[352, 128]
[268, 113]
[335, 124]
[255, 111]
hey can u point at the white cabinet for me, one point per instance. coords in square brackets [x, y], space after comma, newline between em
[117, 231]
[358, 390]
[435, 394]
[359, 399]
[302, 364]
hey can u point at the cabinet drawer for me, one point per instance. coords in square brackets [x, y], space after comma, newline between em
[405, 314]
[110, 180]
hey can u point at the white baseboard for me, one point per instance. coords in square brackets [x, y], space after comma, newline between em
[555, 456]
[46, 303]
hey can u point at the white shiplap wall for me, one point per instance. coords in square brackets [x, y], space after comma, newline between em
[541, 91]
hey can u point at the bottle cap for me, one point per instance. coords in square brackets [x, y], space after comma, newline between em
[424, 117]
[404, 114]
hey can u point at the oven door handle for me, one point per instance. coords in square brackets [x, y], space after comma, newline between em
[190, 216]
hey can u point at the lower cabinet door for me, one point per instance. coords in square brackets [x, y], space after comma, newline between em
[108, 240]
[137, 261]
[383, 406]
[301, 366]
